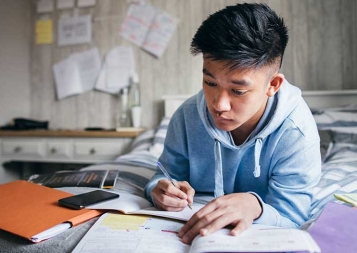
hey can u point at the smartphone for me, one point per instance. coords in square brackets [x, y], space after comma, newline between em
[80, 201]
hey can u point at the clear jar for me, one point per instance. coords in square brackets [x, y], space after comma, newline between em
[124, 120]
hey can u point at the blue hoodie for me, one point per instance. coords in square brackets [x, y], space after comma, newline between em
[279, 163]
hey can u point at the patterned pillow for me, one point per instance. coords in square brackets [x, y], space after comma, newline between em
[147, 147]
[158, 144]
[143, 141]
[342, 119]
[336, 125]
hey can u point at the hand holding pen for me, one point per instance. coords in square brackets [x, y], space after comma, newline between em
[167, 175]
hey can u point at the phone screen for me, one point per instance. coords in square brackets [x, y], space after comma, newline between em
[86, 199]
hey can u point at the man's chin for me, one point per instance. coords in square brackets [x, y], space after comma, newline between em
[225, 127]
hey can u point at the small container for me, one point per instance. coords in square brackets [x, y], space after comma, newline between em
[134, 101]
[124, 120]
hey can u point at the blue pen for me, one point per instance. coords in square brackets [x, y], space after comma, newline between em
[167, 175]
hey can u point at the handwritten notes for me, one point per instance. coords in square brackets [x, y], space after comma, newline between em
[116, 70]
[74, 30]
[77, 73]
[149, 28]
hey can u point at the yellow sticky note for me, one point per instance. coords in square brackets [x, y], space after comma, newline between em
[124, 222]
[44, 31]
[350, 198]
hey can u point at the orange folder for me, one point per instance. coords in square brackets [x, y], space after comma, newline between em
[27, 209]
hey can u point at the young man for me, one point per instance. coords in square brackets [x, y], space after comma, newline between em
[247, 136]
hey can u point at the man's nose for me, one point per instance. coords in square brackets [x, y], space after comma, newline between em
[222, 102]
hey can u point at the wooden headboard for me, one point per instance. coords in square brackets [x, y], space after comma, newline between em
[315, 99]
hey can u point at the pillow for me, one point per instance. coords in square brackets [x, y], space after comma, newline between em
[340, 118]
[147, 147]
[158, 144]
[336, 125]
[143, 141]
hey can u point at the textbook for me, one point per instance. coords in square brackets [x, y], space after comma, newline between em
[28, 209]
[88, 178]
[134, 233]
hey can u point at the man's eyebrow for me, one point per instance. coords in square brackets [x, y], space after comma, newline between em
[206, 72]
[237, 82]
[241, 82]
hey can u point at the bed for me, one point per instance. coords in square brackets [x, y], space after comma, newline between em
[336, 116]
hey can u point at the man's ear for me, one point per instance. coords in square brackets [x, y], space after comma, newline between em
[275, 84]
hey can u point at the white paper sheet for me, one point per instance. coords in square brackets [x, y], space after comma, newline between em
[137, 23]
[44, 6]
[67, 78]
[65, 4]
[78, 73]
[74, 30]
[89, 64]
[86, 3]
[160, 33]
[118, 66]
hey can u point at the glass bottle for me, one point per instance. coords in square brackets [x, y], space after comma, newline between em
[135, 108]
[134, 91]
[124, 120]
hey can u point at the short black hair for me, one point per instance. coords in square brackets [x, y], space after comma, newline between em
[245, 35]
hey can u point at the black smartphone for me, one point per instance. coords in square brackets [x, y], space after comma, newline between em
[80, 201]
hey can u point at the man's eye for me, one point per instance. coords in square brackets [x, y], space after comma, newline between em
[239, 92]
[210, 84]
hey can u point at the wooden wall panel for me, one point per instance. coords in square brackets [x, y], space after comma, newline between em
[321, 54]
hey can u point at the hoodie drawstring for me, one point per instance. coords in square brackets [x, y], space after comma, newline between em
[257, 152]
[218, 174]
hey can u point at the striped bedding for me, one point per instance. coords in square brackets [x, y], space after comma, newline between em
[147, 147]
[338, 132]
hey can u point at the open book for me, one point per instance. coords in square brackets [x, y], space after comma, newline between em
[132, 204]
[135, 233]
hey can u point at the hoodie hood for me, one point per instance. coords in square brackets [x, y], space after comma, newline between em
[286, 99]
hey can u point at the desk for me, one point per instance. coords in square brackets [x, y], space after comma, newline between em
[65, 146]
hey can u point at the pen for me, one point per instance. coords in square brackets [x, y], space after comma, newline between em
[167, 175]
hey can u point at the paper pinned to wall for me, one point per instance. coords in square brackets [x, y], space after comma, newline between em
[78, 73]
[118, 66]
[44, 31]
[65, 4]
[137, 23]
[44, 6]
[89, 64]
[67, 78]
[160, 33]
[148, 27]
[75, 30]
[86, 3]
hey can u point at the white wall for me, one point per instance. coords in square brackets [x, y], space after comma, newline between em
[15, 34]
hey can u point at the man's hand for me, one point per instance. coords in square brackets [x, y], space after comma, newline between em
[168, 197]
[237, 209]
